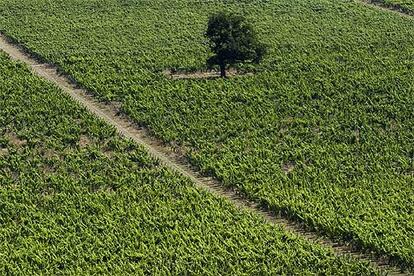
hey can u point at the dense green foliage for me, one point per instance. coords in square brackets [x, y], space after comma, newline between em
[232, 40]
[324, 131]
[75, 198]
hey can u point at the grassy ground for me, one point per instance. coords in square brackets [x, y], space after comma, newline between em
[322, 132]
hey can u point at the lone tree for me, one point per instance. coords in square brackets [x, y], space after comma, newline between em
[232, 40]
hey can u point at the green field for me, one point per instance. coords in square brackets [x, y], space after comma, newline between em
[77, 199]
[323, 132]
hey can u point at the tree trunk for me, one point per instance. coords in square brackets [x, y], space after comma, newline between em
[222, 70]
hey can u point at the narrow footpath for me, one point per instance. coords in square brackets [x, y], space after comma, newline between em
[170, 158]
[395, 8]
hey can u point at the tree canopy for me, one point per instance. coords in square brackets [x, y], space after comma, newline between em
[232, 40]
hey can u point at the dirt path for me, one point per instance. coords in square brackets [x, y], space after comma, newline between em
[388, 8]
[172, 159]
[203, 74]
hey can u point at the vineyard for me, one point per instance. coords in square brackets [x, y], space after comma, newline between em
[321, 132]
[59, 212]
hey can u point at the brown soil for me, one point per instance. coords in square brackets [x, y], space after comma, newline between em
[202, 74]
[48, 192]
[108, 153]
[389, 7]
[288, 167]
[48, 169]
[14, 140]
[174, 159]
[3, 152]
[49, 153]
[84, 141]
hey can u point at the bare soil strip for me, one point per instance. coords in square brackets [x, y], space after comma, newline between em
[176, 161]
[202, 74]
[389, 7]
